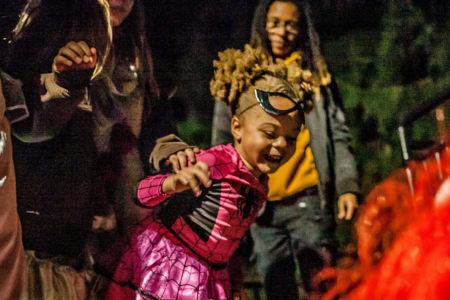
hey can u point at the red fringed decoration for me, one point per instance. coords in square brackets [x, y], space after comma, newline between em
[403, 240]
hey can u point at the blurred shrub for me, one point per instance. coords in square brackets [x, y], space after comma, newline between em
[383, 72]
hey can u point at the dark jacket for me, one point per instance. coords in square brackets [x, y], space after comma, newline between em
[330, 143]
[330, 137]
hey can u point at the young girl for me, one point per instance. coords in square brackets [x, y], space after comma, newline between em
[183, 252]
[300, 215]
[130, 111]
[53, 147]
[54, 153]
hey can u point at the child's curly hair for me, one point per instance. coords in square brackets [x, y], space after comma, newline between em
[236, 71]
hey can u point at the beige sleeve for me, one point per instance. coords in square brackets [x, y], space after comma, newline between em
[165, 147]
[58, 106]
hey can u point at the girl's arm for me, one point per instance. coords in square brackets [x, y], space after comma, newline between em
[155, 189]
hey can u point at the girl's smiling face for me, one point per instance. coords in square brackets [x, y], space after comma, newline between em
[264, 141]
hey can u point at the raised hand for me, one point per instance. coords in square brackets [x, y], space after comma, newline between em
[75, 56]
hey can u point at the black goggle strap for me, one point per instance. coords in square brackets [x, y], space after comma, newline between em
[264, 102]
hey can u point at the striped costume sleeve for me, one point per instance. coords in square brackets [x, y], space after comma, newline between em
[150, 191]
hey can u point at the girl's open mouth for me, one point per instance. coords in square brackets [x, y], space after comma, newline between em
[273, 158]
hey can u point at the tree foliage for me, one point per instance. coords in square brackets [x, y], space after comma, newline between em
[383, 73]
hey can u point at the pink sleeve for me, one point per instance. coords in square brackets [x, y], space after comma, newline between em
[150, 192]
[220, 163]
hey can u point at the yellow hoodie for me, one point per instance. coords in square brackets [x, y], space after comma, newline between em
[300, 171]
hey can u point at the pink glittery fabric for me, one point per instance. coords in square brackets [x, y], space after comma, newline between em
[182, 255]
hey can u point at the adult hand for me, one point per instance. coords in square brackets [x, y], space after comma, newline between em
[347, 204]
[179, 161]
[241, 295]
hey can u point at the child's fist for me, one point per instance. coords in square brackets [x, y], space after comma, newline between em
[188, 178]
[75, 56]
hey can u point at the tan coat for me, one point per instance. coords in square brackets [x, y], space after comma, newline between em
[12, 258]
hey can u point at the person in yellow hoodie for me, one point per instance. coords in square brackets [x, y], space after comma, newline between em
[298, 221]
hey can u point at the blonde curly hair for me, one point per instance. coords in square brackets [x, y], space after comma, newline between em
[237, 70]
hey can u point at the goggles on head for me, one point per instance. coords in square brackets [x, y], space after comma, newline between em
[271, 106]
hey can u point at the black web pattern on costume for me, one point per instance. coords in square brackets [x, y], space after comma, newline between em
[159, 280]
[210, 226]
[148, 266]
[197, 220]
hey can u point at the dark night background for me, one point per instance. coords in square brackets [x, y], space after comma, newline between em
[386, 56]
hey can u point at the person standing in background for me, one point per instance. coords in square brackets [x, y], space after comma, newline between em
[54, 153]
[85, 159]
[298, 221]
[129, 115]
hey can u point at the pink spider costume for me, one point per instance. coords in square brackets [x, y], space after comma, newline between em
[183, 253]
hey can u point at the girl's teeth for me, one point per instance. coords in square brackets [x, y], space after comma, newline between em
[274, 157]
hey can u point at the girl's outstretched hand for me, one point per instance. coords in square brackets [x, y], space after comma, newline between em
[188, 178]
[75, 56]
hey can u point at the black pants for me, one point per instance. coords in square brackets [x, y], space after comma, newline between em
[289, 231]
